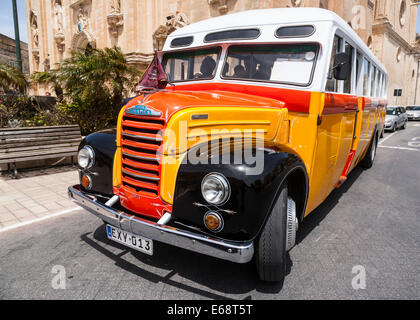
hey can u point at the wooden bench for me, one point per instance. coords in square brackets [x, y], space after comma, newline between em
[37, 143]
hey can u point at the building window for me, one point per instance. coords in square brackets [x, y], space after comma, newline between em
[399, 54]
[370, 42]
[403, 9]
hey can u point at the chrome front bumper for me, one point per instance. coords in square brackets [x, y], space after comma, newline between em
[230, 251]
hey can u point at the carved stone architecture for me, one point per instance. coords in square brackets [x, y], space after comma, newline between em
[115, 18]
[173, 22]
[34, 39]
[221, 5]
[139, 27]
[59, 26]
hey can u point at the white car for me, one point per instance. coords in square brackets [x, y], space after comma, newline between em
[413, 112]
[396, 118]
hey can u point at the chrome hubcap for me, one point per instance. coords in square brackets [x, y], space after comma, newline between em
[292, 224]
[374, 149]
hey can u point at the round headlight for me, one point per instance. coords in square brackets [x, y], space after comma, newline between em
[215, 189]
[86, 157]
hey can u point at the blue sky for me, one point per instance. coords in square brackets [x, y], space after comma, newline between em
[6, 19]
[7, 27]
[418, 19]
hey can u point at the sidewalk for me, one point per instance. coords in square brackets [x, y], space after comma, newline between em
[31, 198]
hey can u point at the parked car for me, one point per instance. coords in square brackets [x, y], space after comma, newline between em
[396, 118]
[404, 114]
[413, 112]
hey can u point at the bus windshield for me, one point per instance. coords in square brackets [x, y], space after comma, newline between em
[191, 65]
[284, 63]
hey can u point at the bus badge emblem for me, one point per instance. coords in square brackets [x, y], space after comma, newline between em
[141, 110]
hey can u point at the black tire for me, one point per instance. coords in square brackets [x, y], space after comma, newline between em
[271, 245]
[382, 133]
[370, 156]
[394, 128]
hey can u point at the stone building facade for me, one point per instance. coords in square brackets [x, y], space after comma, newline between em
[8, 53]
[56, 27]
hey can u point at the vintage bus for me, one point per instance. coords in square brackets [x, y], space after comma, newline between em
[294, 88]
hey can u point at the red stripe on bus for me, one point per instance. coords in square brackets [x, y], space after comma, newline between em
[338, 103]
[346, 170]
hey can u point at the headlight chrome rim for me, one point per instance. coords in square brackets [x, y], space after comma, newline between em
[224, 183]
[91, 155]
[89, 187]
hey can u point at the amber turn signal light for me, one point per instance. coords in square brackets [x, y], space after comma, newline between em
[213, 221]
[86, 182]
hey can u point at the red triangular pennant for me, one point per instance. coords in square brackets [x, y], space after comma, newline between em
[155, 76]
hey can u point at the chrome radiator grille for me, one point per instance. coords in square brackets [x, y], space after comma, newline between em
[141, 139]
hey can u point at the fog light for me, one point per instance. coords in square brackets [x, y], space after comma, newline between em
[213, 221]
[87, 182]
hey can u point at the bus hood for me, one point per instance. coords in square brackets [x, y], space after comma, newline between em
[164, 104]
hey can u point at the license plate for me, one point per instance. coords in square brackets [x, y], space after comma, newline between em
[130, 240]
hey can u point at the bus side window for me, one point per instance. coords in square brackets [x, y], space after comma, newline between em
[359, 75]
[373, 81]
[379, 85]
[383, 86]
[347, 83]
[332, 84]
[385, 89]
[366, 69]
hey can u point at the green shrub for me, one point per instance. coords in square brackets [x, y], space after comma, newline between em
[16, 110]
[24, 111]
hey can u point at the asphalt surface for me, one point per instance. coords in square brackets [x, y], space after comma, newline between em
[373, 221]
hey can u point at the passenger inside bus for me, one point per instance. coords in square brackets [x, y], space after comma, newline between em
[263, 72]
[208, 66]
[250, 67]
[240, 72]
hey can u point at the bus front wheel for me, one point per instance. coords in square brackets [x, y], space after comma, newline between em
[271, 245]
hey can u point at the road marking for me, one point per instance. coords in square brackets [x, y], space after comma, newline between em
[399, 148]
[391, 135]
[415, 142]
[22, 224]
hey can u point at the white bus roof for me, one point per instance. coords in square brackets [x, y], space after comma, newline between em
[269, 17]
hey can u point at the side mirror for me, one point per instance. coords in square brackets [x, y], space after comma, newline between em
[342, 66]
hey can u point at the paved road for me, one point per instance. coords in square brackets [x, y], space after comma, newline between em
[373, 221]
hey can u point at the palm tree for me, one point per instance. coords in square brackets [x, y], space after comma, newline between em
[11, 78]
[50, 78]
